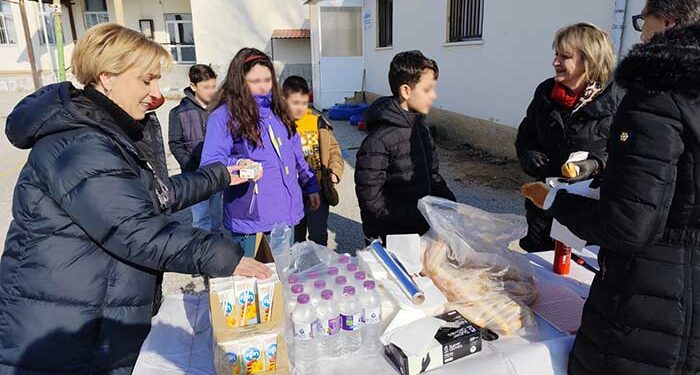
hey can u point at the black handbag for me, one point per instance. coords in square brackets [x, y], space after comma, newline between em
[328, 187]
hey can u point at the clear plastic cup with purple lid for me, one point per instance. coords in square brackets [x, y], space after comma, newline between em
[320, 284]
[352, 268]
[344, 259]
[360, 277]
[313, 275]
[293, 279]
[349, 291]
[370, 285]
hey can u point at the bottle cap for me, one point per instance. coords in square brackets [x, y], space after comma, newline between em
[303, 299]
[327, 294]
[333, 271]
[297, 288]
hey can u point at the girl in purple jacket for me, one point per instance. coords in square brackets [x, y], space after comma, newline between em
[250, 123]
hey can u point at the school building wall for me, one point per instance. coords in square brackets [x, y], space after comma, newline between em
[222, 27]
[485, 86]
[15, 70]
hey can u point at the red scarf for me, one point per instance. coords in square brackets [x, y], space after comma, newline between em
[566, 97]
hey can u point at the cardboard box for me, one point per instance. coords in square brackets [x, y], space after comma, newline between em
[223, 333]
[449, 345]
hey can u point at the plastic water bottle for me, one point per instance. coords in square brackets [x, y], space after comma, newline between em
[295, 290]
[292, 279]
[371, 317]
[350, 269]
[344, 260]
[340, 283]
[304, 319]
[328, 325]
[319, 286]
[350, 319]
[291, 302]
[359, 280]
[333, 272]
[311, 277]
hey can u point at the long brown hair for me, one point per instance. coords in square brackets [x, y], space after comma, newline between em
[238, 99]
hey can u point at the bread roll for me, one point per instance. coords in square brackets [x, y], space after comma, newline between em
[536, 192]
[569, 170]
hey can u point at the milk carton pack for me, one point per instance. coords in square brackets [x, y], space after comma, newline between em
[246, 305]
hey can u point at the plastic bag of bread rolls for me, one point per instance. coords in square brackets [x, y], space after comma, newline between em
[466, 255]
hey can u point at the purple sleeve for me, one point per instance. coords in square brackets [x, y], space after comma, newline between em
[218, 141]
[307, 178]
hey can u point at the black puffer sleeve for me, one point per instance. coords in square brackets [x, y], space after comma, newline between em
[93, 183]
[639, 181]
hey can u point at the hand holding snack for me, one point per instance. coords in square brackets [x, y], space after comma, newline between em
[536, 192]
[250, 170]
[233, 170]
[580, 170]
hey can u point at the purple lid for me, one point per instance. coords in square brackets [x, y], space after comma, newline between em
[320, 284]
[341, 280]
[313, 275]
[360, 276]
[333, 271]
[327, 294]
[303, 299]
[293, 279]
[370, 285]
[297, 288]
[352, 267]
[343, 259]
[349, 290]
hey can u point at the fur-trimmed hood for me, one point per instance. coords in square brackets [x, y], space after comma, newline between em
[669, 62]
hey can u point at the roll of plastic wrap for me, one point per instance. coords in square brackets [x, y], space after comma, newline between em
[398, 273]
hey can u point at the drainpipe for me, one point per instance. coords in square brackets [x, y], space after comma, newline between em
[45, 33]
[58, 31]
[618, 29]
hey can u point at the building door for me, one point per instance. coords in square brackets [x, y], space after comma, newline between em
[340, 43]
[181, 35]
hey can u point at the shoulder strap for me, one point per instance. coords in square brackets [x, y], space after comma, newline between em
[324, 124]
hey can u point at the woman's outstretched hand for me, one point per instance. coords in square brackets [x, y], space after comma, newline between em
[250, 267]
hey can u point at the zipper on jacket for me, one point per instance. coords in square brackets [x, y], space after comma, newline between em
[688, 283]
[428, 175]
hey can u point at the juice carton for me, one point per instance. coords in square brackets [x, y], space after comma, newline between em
[269, 344]
[266, 296]
[247, 311]
[252, 356]
[233, 355]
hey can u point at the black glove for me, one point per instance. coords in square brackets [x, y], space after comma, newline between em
[587, 169]
[534, 163]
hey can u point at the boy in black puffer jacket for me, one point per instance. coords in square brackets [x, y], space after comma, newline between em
[397, 163]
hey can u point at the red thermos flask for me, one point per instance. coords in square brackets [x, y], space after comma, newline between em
[562, 258]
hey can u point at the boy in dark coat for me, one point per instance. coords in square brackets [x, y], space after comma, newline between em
[397, 164]
[186, 137]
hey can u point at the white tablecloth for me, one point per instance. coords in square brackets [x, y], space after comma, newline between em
[180, 341]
